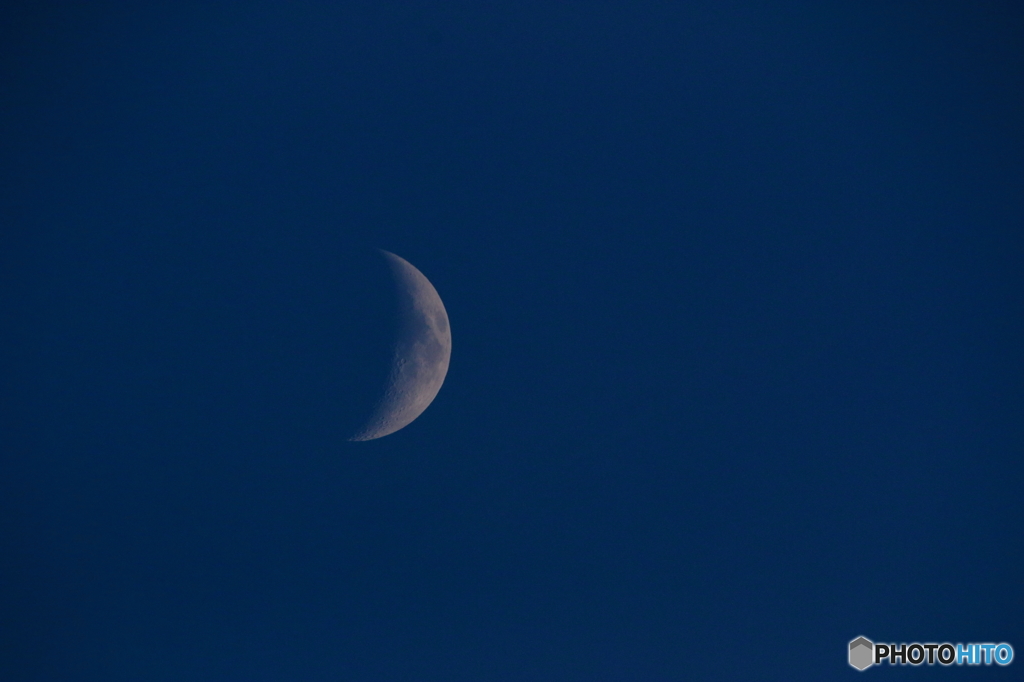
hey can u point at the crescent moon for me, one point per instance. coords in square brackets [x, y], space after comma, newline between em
[421, 353]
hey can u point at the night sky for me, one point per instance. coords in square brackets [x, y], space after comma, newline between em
[736, 293]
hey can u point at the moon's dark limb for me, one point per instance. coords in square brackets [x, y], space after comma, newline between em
[422, 349]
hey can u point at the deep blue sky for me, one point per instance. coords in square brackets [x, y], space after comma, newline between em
[737, 303]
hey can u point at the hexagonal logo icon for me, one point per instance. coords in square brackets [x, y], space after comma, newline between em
[862, 652]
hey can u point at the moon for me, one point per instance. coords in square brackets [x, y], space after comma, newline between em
[420, 354]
